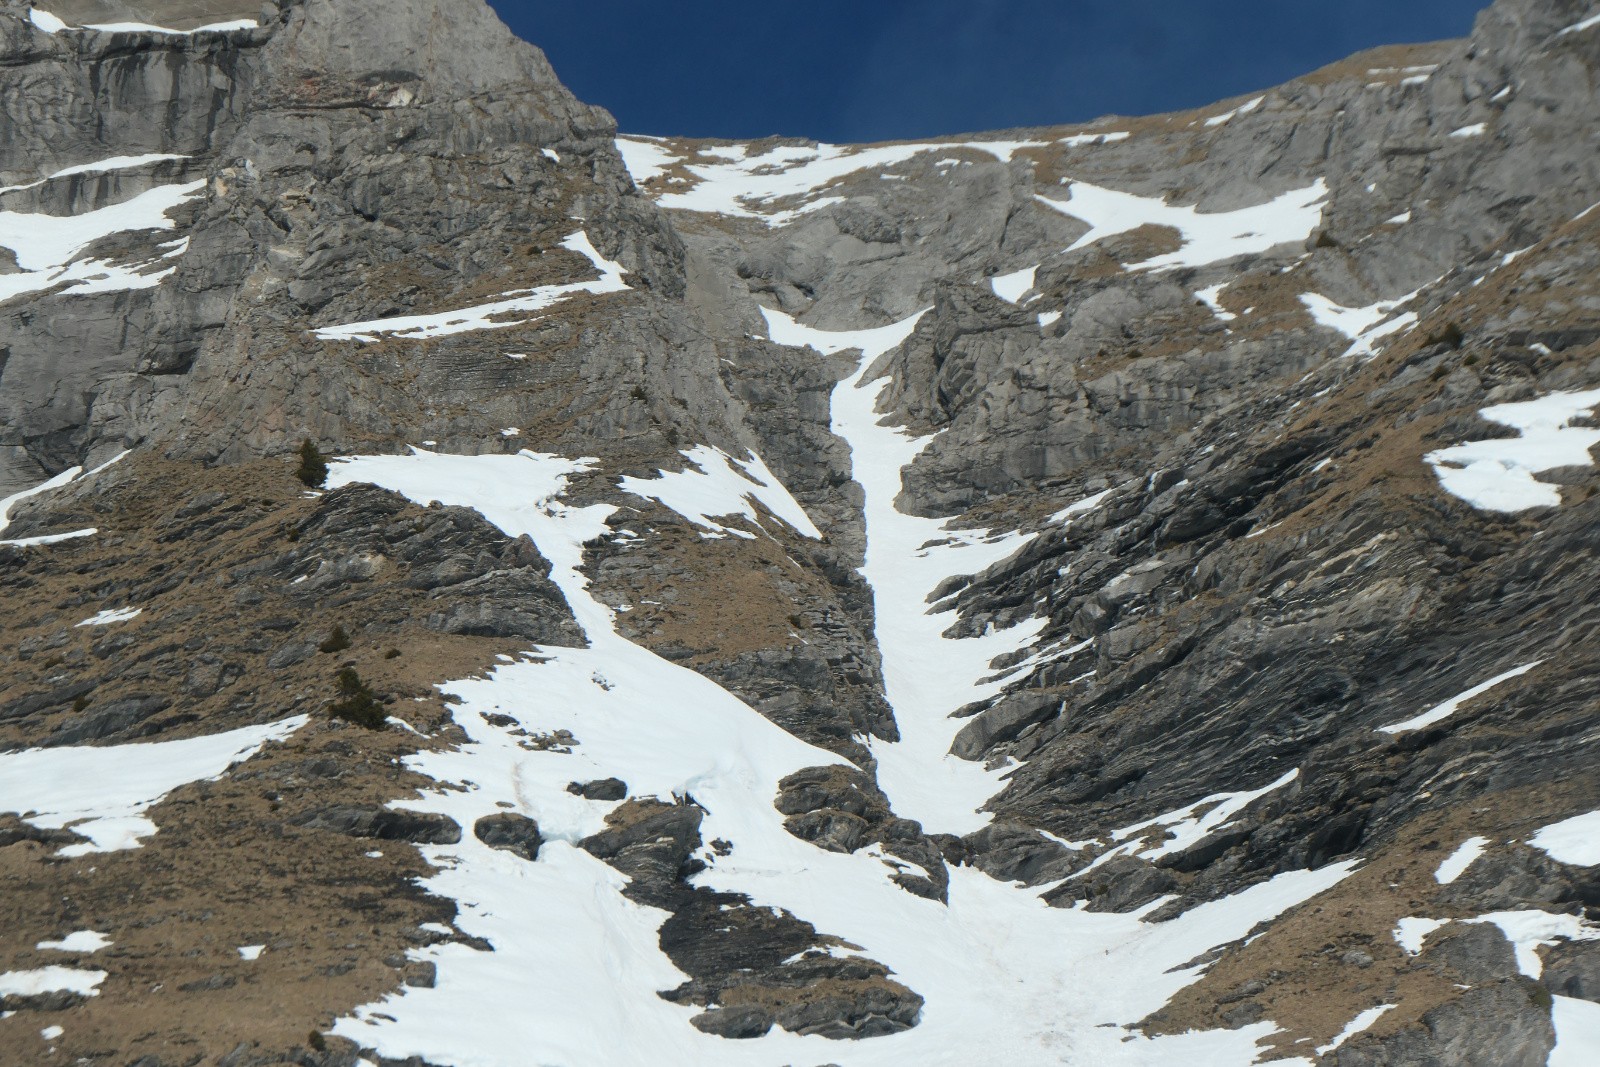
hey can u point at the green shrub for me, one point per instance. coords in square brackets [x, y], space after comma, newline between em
[357, 702]
[337, 641]
[313, 470]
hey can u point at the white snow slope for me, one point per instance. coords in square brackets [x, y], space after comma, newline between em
[576, 967]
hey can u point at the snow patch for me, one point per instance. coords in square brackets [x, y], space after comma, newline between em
[51, 979]
[1475, 130]
[52, 24]
[644, 157]
[251, 952]
[77, 941]
[1088, 503]
[102, 792]
[1574, 841]
[98, 167]
[111, 615]
[1579, 27]
[1577, 1021]
[1459, 860]
[752, 186]
[45, 245]
[1498, 474]
[1208, 237]
[715, 485]
[1228, 116]
[1530, 930]
[1361, 1022]
[1193, 823]
[1449, 707]
[64, 478]
[514, 310]
[1011, 287]
[1210, 298]
[1413, 930]
[45, 21]
[1362, 325]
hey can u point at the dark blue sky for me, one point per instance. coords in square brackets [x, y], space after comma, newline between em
[860, 70]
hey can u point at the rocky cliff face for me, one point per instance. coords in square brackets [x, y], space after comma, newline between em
[1099, 594]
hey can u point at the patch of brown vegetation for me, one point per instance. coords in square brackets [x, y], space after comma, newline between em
[1385, 64]
[228, 866]
[702, 599]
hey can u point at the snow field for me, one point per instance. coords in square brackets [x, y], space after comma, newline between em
[716, 486]
[1575, 840]
[1364, 326]
[45, 246]
[576, 967]
[743, 186]
[1208, 236]
[1498, 474]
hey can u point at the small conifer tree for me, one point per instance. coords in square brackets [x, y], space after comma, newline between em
[357, 702]
[313, 465]
[337, 641]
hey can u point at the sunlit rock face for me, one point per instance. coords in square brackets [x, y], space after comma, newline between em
[486, 589]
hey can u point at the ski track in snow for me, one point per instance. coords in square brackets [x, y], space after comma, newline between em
[1498, 474]
[576, 967]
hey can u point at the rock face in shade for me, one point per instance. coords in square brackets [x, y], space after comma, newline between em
[1203, 366]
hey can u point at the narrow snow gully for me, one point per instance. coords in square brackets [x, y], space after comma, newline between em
[575, 967]
[926, 675]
